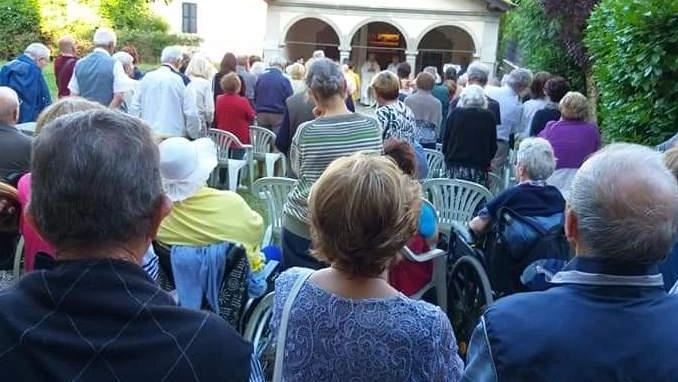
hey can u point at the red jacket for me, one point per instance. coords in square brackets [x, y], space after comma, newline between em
[234, 114]
[63, 71]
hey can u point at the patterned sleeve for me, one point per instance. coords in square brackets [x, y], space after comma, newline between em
[448, 365]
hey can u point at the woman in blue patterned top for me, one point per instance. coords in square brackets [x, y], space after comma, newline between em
[346, 323]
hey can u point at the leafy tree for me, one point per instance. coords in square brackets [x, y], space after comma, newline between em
[634, 49]
[19, 27]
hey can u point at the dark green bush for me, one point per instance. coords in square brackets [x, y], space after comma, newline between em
[539, 44]
[634, 47]
[19, 26]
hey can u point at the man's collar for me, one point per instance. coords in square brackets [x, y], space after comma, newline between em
[604, 272]
[101, 50]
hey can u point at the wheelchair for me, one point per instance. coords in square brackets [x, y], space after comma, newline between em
[518, 254]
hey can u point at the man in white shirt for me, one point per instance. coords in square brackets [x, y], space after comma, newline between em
[165, 102]
[97, 76]
[511, 109]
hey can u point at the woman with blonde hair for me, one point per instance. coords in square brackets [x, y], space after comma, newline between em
[297, 72]
[346, 320]
[574, 138]
[201, 71]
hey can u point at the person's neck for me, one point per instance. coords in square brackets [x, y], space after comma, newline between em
[334, 107]
[111, 251]
[388, 102]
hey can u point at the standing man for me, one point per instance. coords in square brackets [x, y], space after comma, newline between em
[24, 76]
[98, 77]
[367, 72]
[249, 79]
[393, 66]
[509, 97]
[64, 65]
[165, 102]
[272, 89]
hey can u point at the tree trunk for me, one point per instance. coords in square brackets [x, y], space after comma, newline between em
[591, 93]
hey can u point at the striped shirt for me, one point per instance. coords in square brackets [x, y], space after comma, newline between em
[314, 146]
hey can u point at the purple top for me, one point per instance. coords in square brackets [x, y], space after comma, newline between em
[572, 141]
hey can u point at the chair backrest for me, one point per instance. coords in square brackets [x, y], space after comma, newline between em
[274, 191]
[436, 163]
[496, 183]
[455, 200]
[262, 139]
[225, 141]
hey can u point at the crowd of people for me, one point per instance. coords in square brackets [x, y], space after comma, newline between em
[112, 192]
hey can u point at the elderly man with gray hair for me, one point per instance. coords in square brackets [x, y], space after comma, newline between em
[165, 102]
[98, 77]
[478, 74]
[509, 97]
[607, 316]
[271, 91]
[101, 207]
[24, 75]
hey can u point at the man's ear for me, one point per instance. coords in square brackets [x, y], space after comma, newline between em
[162, 210]
[571, 225]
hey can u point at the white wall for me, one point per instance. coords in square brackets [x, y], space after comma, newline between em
[236, 26]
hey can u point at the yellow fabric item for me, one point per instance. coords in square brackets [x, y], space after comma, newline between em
[214, 216]
[356, 78]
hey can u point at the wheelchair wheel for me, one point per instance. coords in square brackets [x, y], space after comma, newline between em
[258, 332]
[469, 293]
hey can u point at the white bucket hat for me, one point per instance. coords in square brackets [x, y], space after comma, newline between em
[185, 166]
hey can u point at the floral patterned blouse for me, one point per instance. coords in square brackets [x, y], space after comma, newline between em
[331, 338]
[397, 121]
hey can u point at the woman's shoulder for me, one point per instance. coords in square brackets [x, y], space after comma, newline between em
[286, 279]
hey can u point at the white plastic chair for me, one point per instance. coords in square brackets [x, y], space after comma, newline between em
[275, 192]
[436, 163]
[17, 270]
[439, 276]
[496, 183]
[262, 144]
[455, 200]
[226, 141]
[439, 147]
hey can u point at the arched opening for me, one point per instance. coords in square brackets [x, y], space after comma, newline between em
[308, 35]
[382, 39]
[445, 45]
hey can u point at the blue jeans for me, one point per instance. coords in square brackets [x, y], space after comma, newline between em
[198, 272]
[295, 252]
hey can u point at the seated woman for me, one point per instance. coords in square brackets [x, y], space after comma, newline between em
[407, 276]
[531, 196]
[346, 322]
[573, 139]
[201, 215]
[470, 139]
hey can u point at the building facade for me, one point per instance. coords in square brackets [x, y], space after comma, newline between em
[421, 32]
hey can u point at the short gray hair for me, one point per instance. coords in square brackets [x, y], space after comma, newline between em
[626, 204]
[473, 96]
[104, 37]
[171, 54]
[277, 61]
[537, 158]
[325, 78]
[37, 51]
[110, 150]
[477, 72]
[9, 104]
[124, 58]
[519, 79]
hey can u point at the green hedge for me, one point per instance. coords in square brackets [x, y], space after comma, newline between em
[539, 43]
[19, 26]
[634, 47]
[151, 44]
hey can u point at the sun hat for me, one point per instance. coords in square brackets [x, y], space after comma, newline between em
[186, 165]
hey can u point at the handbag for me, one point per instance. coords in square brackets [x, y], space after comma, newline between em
[282, 330]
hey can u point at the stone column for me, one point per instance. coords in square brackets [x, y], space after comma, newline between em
[411, 58]
[344, 54]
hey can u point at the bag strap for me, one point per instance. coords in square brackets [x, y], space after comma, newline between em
[282, 330]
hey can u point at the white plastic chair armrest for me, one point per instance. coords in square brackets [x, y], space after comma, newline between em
[424, 257]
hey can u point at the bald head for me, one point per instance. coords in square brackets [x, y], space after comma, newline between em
[67, 45]
[624, 202]
[9, 106]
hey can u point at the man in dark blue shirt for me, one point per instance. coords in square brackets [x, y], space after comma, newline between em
[272, 89]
